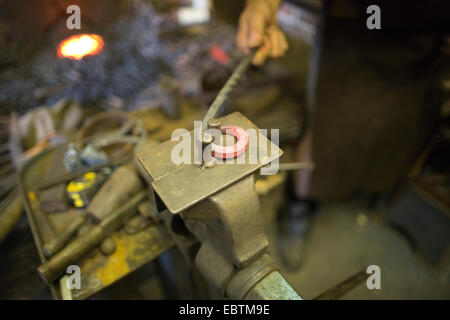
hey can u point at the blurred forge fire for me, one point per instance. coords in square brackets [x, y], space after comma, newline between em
[79, 46]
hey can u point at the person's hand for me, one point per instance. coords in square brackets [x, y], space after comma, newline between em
[258, 28]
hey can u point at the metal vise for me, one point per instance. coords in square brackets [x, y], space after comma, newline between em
[218, 204]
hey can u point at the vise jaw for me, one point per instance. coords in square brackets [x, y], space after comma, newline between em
[180, 186]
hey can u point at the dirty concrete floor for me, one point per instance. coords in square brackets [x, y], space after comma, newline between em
[346, 238]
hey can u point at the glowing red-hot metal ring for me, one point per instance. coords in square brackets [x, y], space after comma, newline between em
[230, 152]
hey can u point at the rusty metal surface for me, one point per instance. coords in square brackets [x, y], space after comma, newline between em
[97, 271]
[63, 237]
[55, 267]
[132, 252]
[174, 183]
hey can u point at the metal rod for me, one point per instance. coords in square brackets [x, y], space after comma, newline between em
[344, 287]
[296, 166]
[227, 88]
[62, 238]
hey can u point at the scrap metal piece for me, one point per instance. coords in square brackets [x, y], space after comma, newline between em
[108, 246]
[121, 185]
[67, 233]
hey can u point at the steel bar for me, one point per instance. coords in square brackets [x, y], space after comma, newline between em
[123, 183]
[296, 166]
[344, 287]
[62, 238]
[227, 88]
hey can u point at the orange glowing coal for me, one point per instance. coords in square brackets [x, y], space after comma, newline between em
[79, 46]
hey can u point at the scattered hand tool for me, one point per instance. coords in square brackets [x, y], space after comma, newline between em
[53, 199]
[79, 247]
[123, 183]
[67, 233]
